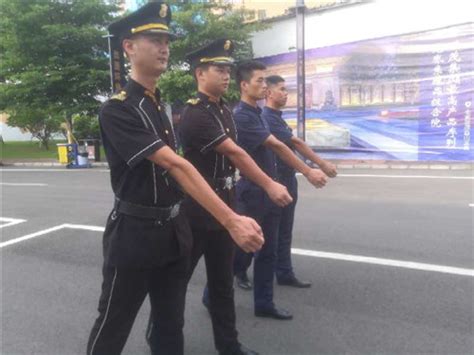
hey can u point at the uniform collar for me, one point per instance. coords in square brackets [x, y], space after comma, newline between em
[251, 108]
[205, 98]
[135, 88]
[272, 111]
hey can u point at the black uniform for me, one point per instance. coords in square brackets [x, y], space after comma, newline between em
[147, 239]
[204, 125]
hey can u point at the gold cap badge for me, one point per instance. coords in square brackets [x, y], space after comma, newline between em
[163, 10]
[227, 45]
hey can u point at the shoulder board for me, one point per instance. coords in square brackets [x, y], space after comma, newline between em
[121, 96]
[193, 101]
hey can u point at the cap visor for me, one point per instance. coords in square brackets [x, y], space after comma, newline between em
[171, 36]
[223, 64]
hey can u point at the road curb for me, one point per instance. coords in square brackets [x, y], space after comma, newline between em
[400, 165]
[50, 164]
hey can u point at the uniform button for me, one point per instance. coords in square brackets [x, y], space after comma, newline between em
[166, 131]
[230, 168]
[228, 130]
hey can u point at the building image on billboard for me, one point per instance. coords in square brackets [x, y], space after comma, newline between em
[400, 97]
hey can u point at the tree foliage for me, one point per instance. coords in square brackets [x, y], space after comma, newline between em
[53, 61]
[86, 127]
[198, 24]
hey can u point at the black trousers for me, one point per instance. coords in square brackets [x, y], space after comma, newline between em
[218, 249]
[123, 292]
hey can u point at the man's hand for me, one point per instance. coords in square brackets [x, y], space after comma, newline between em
[316, 178]
[279, 194]
[329, 169]
[245, 232]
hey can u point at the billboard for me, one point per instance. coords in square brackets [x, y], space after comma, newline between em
[406, 97]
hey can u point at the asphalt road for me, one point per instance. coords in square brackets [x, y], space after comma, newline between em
[51, 281]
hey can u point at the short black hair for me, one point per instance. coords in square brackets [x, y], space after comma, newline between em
[274, 80]
[203, 66]
[245, 71]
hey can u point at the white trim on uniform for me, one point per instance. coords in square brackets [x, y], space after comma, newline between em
[106, 313]
[155, 191]
[152, 163]
[215, 166]
[141, 151]
[215, 117]
[141, 116]
[144, 112]
[215, 140]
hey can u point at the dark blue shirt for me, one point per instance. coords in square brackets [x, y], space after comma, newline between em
[280, 129]
[252, 132]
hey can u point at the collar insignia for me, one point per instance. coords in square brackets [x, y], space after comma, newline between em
[121, 96]
[193, 101]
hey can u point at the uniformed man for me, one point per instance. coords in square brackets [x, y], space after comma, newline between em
[208, 137]
[255, 137]
[146, 243]
[276, 97]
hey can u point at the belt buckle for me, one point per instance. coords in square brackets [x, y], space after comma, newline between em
[228, 183]
[174, 211]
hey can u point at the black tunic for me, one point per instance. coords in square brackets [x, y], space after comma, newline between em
[133, 126]
[204, 125]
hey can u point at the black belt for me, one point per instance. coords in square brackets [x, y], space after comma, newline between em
[225, 183]
[161, 214]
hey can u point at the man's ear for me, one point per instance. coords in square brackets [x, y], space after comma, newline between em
[198, 72]
[127, 45]
[268, 92]
[243, 85]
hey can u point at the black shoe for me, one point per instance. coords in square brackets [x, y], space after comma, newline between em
[243, 281]
[274, 313]
[294, 282]
[240, 350]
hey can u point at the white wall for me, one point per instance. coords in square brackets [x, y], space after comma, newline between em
[373, 19]
[13, 133]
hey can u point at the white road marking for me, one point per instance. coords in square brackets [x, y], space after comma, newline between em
[409, 176]
[85, 227]
[313, 253]
[65, 170]
[31, 236]
[471, 205]
[298, 174]
[381, 176]
[22, 184]
[385, 262]
[50, 230]
[10, 221]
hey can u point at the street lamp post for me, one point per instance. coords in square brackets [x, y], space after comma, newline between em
[300, 69]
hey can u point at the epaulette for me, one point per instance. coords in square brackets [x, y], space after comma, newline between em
[194, 101]
[121, 96]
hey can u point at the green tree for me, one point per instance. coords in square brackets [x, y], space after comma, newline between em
[53, 61]
[198, 24]
[86, 127]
